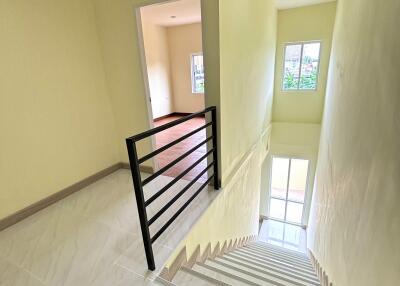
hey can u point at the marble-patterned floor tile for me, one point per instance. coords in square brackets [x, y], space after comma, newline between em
[12, 275]
[135, 260]
[94, 236]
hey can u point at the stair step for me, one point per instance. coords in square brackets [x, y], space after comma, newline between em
[252, 269]
[186, 276]
[275, 261]
[279, 249]
[246, 276]
[305, 262]
[221, 275]
[300, 256]
[289, 273]
[282, 267]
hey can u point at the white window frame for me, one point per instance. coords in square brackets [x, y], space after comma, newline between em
[286, 200]
[192, 72]
[302, 43]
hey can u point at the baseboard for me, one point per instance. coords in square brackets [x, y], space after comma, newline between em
[175, 114]
[144, 169]
[35, 207]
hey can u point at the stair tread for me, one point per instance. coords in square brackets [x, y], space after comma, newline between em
[270, 260]
[269, 264]
[187, 276]
[221, 275]
[271, 268]
[283, 278]
[257, 263]
[251, 279]
[305, 261]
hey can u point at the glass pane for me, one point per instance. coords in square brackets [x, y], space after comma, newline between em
[294, 212]
[309, 66]
[277, 209]
[298, 180]
[198, 73]
[280, 167]
[291, 68]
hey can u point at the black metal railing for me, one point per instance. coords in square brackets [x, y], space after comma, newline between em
[138, 183]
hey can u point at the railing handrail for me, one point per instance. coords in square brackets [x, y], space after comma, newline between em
[135, 161]
[165, 126]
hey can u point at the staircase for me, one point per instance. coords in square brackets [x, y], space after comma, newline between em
[257, 263]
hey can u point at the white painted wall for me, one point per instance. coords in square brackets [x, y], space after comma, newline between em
[183, 41]
[158, 68]
[355, 217]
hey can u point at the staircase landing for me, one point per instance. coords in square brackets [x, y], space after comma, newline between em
[93, 237]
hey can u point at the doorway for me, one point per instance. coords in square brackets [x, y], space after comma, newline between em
[289, 177]
[172, 62]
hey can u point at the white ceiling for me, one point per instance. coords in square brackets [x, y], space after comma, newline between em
[189, 11]
[186, 12]
[286, 4]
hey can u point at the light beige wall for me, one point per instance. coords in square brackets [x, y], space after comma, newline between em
[303, 24]
[296, 140]
[158, 67]
[183, 41]
[118, 33]
[355, 220]
[247, 58]
[56, 122]
[235, 212]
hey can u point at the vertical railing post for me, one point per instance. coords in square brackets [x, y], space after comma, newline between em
[215, 146]
[137, 183]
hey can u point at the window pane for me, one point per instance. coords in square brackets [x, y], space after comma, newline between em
[294, 212]
[198, 74]
[309, 66]
[280, 167]
[298, 180]
[277, 209]
[291, 67]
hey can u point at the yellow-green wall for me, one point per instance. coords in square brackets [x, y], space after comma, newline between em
[355, 218]
[56, 122]
[297, 115]
[247, 59]
[118, 33]
[244, 84]
[296, 25]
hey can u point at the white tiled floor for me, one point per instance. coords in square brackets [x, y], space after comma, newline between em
[286, 235]
[93, 237]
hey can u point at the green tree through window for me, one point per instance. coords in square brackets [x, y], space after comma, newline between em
[301, 66]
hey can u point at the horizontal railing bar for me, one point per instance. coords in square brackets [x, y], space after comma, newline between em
[176, 179]
[169, 124]
[181, 209]
[165, 147]
[174, 199]
[165, 168]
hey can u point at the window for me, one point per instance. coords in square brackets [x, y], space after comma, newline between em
[288, 189]
[197, 73]
[300, 71]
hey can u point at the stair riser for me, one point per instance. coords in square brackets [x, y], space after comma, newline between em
[277, 250]
[312, 277]
[278, 280]
[280, 262]
[280, 257]
[282, 275]
[284, 267]
[239, 280]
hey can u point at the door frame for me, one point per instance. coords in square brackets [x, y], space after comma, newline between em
[287, 188]
[143, 63]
